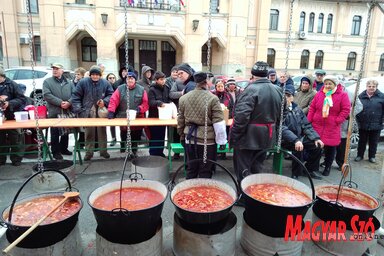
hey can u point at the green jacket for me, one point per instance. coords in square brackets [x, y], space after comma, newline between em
[192, 112]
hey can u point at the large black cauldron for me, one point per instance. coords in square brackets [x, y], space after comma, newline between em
[46, 234]
[123, 226]
[193, 217]
[271, 219]
[330, 211]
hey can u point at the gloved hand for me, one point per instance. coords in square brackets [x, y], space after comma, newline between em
[111, 115]
[222, 147]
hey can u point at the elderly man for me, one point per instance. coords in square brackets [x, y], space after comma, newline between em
[256, 113]
[57, 91]
[319, 80]
[90, 94]
[11, 100]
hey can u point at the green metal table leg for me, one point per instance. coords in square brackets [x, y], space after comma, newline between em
[278, 162]
[77, 148]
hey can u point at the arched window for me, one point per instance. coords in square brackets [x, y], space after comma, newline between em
[329, 24]
[356, 24]
[271, 57]
[273, 19]
[381, 63]
[319, 59]
[302, 21]
[304, 61]
[351, 61]
[88, 49]
[320, 23]
[37, 48]
[311, 22]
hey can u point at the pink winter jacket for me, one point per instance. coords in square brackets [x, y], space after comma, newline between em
[329, 128]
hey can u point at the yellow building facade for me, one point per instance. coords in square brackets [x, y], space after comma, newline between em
[162, 33]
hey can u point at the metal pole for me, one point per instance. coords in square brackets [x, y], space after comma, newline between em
[5, 39]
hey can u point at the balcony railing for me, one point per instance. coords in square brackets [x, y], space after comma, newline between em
[168, 5]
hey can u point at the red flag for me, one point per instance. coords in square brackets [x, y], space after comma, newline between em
[182, 3]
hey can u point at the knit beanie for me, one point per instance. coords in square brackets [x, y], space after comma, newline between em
[95, 70]
[260, 69]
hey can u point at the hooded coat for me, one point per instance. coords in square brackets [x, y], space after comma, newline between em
[329, 128]
[145, 82]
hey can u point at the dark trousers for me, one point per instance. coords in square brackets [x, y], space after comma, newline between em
[312, 153]
[198, 169]
[340, 152]
[11, 140]
[113, 131]
[372, 137]
[135, 136]
[58, 143]
[156, 144]
[329, 155]
[245, 159]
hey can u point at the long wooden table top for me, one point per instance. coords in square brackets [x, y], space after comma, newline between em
[86, 122]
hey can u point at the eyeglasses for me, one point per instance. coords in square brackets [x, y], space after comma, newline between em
[319, 75]
[111, 77]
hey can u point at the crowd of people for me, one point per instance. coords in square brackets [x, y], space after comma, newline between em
[315, 117]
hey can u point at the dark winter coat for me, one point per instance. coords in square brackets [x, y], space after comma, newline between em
[157, 95]
[317, 85]
[176, 91]
[87, 93]
[329, 128]
[296, 126]
[16, 99]
[372, 116]
[256, 113]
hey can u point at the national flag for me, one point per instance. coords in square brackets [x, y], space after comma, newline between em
[131, 2]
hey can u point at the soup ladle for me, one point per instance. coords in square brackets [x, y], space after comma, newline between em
[66, 195]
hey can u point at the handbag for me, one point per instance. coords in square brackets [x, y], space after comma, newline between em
[66, 114]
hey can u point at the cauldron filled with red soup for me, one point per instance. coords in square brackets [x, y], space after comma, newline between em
[270, 198]
[203, 201]
[350, 202]
[131, 214]
[27, 211]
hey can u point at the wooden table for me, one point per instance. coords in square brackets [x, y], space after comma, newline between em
[84, 122]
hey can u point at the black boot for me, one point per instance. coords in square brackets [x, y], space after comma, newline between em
[326, 171]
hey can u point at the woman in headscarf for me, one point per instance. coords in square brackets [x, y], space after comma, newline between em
[329, 109]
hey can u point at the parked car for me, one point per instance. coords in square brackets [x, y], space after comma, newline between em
[24, 75]
[351, 90]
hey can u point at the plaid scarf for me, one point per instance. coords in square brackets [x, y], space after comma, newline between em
[328, 102]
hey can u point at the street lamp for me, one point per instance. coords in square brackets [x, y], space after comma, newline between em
[104, 18]
[195, 25]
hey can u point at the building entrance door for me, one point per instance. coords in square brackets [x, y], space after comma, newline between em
[147, 54]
